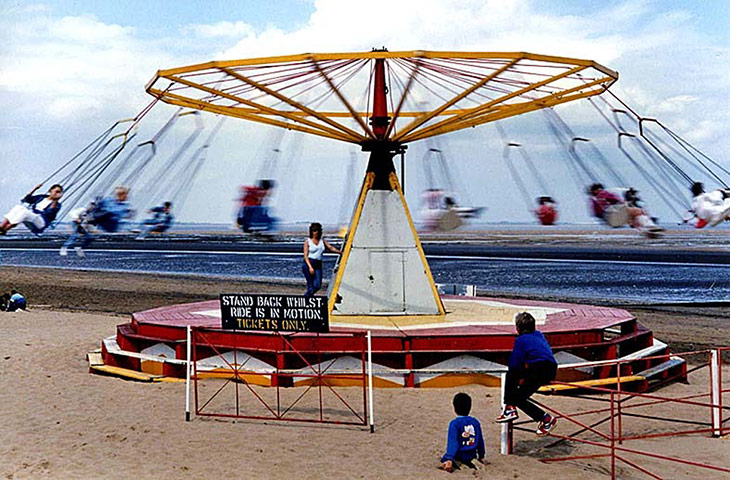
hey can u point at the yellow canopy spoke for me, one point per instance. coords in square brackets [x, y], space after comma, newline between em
[322, 93]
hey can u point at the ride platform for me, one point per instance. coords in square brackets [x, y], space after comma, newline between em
[470, 344]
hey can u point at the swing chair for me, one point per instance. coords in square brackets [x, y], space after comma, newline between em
[253, 215]
[441, 210]
[668, 152]
[666, 159]
[617, 206]
[546, 210]
[99, 178]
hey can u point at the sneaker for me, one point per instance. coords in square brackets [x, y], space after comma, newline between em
[80, 252]
[507, 415]
[546, 425]
[63, 252]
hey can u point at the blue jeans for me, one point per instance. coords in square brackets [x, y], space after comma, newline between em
[518, 394]
[314, 282]
[150, 226]
[85, 238]
[16, 305]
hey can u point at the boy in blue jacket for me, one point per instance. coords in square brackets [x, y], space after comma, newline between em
[531, 366]
[465, 441]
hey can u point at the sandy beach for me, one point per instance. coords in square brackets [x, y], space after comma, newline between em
[59, 421]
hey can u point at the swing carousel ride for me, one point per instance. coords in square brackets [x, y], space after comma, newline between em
[383, 101]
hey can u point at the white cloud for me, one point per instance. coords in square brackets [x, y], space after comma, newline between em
[676, 104]
[220, 29]
[75, 65]
[88, 30]
[73, 107]
[705, 130]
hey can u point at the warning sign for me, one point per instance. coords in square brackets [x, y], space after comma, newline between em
[274, 313]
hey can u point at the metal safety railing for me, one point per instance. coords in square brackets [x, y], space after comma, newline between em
[249, 398]
[610, 427]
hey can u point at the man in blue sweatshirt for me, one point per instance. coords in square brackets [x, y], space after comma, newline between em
[110, 213]
[531, 366]
[465, 441]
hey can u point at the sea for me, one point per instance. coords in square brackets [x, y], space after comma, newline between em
[631, 281]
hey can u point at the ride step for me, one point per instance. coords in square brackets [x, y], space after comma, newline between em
[664, 370]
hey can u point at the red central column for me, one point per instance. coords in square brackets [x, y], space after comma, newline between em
[380, 119]
[381, 150]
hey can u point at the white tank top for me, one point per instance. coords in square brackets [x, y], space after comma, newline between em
[316, 251]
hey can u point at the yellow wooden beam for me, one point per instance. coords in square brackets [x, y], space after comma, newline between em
[367, 184]
[262, 108]
[245, 114]
[599, 382]
[428, 116]
[123, 372]
[294, 104]
[374, 55]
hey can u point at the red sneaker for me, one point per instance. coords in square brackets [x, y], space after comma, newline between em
[509, 414]
[546, 425]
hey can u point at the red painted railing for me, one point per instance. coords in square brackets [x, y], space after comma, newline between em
[607, 425]
[248, 396]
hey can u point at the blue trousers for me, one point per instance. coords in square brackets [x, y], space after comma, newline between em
[256, 218]
[16, 305]
[152, 227]
[86, 238]
[314, 282]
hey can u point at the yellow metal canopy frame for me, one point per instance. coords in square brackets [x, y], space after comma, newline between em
[429, 93]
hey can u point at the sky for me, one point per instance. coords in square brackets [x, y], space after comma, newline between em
[69, 69]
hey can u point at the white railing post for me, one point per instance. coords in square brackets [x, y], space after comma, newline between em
[505, 444]
[370, 382]
[716, 389]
